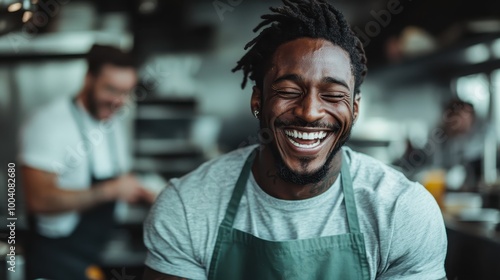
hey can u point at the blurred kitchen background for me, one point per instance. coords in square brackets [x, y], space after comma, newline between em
[190, 107]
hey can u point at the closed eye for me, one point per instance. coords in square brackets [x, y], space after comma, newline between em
[288, 93]
[334, 95]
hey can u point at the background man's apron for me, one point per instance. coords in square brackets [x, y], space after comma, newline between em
[239, 255]
[68, 257]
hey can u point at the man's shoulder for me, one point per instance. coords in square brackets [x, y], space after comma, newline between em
[55, 111]
[221, 168]
[380, 189]
[374, 172]
[46, 135]
[213, 177]
[50, 121]
[379, 183]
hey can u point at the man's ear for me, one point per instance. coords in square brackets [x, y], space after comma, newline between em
[255, 100]
[355, 107]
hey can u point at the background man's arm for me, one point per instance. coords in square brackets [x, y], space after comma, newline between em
[44, 196]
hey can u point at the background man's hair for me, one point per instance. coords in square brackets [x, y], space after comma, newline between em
[296, 19]
[100, 55]
[456, 105]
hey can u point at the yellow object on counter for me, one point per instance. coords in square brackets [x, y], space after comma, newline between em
[435, 182]
[93, 272]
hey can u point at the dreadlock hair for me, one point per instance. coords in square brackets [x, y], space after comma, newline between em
[296, 19]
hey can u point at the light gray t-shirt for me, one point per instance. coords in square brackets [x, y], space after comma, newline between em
[403, 227]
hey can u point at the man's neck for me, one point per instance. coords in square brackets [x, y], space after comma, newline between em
[266, 175]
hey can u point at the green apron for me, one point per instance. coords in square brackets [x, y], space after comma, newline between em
[239, 255]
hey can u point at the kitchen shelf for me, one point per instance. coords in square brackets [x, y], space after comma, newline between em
[163, 134]
[441, 65]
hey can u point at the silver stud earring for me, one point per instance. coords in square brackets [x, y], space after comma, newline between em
[256, 113]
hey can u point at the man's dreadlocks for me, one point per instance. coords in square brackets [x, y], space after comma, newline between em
[296, 19]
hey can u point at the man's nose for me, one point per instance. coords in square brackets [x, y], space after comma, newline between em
[310, 108]
[120, 100]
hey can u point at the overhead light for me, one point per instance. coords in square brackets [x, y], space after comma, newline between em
[27, 16]
[477, 54]
[484, 25]
[14, 7]
[148, 6]
[495, 48]
[475, 90]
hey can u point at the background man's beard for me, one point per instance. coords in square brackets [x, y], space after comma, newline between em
[93, 105]
[91, 102]
[290, 176]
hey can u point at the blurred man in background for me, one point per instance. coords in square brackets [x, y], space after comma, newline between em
[76, 166]
[455, 145]
[458, 124]
[460, 152]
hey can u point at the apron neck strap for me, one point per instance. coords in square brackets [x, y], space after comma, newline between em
[346, 184]
[350, 203]
[77, 117]
[232, 208]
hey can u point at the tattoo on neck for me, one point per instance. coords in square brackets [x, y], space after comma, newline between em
[272, 175]
[323, 185]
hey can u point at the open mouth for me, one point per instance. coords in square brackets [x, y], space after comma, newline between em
[306, 139]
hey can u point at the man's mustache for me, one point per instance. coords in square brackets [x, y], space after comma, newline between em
[301, 123]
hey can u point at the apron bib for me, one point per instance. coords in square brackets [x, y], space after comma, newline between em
[68, 257]
[240, 255]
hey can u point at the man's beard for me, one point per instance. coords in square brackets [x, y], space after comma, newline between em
[290, 176]
[92, 103]
[94, 106]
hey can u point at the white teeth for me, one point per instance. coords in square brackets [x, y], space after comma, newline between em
[306, 136]
[305, 145]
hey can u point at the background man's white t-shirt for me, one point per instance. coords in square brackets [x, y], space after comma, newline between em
[51, 141]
